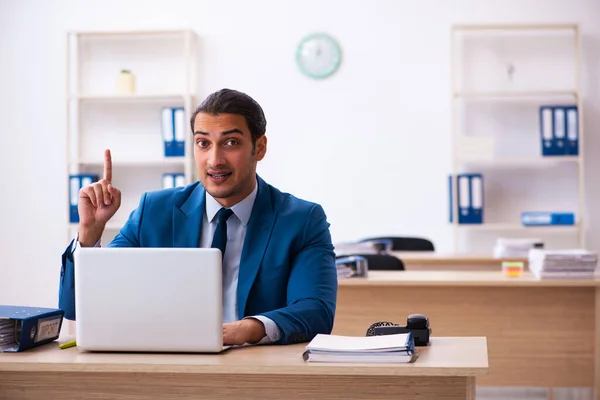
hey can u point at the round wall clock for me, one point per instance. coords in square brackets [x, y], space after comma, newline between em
[318, 55]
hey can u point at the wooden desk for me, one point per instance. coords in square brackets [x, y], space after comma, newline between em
[540, 333]
[429, 260]
[447, 369]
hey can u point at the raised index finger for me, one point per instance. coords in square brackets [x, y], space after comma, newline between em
[107, 165]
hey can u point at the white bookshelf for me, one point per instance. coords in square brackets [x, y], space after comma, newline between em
[164, 65]
[501, 75]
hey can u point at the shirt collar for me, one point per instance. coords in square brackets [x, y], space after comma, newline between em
[242, 210]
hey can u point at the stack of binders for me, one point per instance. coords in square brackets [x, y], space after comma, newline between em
[352, 267]
[563, 264]
[173, 131]
[559, 128]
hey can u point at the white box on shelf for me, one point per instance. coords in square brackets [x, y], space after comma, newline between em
[475, 148]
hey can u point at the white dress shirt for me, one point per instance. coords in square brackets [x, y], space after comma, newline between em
[236, 233]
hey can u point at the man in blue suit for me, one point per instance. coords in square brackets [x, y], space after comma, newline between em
[279, 274]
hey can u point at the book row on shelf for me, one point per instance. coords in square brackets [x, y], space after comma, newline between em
[558, 130]
[470, 207]
[173, 131]
[559, 136]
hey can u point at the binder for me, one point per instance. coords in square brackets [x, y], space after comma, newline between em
[547, 218]
[572, 124]
[173, 180]
[168, 131]
[179, 180]
[559, 130]
[547, 130]
[179, 132]
[23, 328]
[76, 182]
[470, 198]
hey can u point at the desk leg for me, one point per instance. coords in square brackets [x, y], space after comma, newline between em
[597, 347]
[471, 388]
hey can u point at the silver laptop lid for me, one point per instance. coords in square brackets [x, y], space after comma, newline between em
[149, 299]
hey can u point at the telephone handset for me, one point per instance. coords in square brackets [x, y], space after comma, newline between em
[418, 324]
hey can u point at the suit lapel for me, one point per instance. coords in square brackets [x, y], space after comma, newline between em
[187, 219]
[257, 238]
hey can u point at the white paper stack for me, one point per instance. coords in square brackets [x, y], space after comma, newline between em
[516, 248]
[565, 264]
[397, 348]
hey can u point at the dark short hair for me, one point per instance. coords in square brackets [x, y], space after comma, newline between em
[228, 101]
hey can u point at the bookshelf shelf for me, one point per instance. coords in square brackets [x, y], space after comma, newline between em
[514, 94]
[501, 76]
[150, 97]
[516, 227]
[518, 162]
[102, 116]
[175, 161]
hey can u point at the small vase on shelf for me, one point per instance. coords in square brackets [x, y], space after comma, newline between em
[125, 82]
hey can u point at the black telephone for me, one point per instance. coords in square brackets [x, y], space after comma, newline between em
[418, 324]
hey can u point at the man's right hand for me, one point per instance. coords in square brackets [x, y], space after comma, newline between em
[98, 202]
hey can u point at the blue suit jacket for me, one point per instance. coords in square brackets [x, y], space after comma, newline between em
[287, 267]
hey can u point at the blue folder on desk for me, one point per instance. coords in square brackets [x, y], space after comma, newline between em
[23, 328]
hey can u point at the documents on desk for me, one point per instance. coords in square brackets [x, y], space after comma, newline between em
[397, 348]
[516, 247]
[559, 264]
[23, 328]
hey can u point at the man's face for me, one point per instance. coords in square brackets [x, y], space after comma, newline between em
[225, 157]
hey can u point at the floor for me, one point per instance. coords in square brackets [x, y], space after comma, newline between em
[488, 393]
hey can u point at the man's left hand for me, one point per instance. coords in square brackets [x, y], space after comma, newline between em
[249, 330]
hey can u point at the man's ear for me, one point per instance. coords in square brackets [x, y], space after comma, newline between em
[261, 147]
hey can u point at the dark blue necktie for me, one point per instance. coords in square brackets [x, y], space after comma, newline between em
[220, 236]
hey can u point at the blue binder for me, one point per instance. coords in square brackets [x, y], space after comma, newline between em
[179, 132]
[23, 328]
[173, 131]
[547, 218]
[76, 182]
[572, 128]
[470, 198]
[168, 131]
[172, 180]
[559, 130]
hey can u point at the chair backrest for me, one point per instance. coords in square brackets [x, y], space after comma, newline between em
[382, 262]
[404, 243]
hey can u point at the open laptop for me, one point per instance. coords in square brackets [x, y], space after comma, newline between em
[149, 299]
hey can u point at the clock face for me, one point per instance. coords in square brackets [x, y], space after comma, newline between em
[318, 56]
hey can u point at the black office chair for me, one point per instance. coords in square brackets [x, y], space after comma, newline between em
[382, 262]
[394, 243]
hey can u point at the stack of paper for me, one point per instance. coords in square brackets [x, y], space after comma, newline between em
[516, 248]
[352, 248]
[563, 263]
[9, 334]
[398, 348]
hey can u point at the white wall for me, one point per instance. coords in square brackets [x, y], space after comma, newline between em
[359, 143]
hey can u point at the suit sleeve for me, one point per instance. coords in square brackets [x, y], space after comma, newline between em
[127, 237]
[312, 285]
